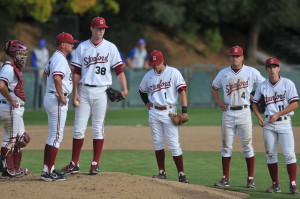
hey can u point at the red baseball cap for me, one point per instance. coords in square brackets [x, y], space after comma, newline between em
[65, 38]
[236, 50]
[98, 22]
[156, 58]
[272, 61]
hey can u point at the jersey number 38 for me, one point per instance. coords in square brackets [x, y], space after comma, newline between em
[100, 70]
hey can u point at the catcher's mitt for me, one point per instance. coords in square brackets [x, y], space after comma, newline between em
[177, 119]
[114, 95]
[261, 103]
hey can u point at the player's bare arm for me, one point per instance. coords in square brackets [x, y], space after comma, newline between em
[58, 87]
[76, 79]
[4, 91]
[221, 104]
[256, 112]
[291, 107]
[122, 79]
[184, 103]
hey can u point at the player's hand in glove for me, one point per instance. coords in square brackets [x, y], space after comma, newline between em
[114, 95]
[179, 119]
[261, 105]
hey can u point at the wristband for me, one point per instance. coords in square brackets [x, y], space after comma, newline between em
[184, 109]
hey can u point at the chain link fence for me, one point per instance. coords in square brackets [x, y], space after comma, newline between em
[197, 77]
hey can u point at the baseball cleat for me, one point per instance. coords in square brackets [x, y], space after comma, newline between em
[70, 168]
[54, 176]
[160, 175]
[182, 178]
[224, 182]
[294, 189]
[94, 170]
[6, 175]
[250, 183]
[275, 188]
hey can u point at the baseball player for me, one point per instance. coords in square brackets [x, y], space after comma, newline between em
[93, 63]
[281, 98]
[159, 91]
[237, 82]
[12, 100]
[59, 84]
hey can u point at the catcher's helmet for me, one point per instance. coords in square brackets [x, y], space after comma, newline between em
[17, 50]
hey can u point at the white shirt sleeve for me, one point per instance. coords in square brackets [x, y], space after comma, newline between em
[116, 58]
[292, 94]
[58, 68]
[77, 58]
[143, 85]
[258, 78]
[217, 83]
[257, 94]
[7, 74]
[179, 81]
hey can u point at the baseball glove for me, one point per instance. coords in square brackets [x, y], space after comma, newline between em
[177, 119]
[261, 103]
[114, 95]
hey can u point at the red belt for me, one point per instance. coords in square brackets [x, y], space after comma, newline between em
[279, 119]
[162, 107]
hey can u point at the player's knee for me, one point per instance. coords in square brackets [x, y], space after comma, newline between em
[290, 158]
[158, 146]
[271, 158]
[78, 135]
[226, 152]
[176, 151]
[23, 140]
[98, 135]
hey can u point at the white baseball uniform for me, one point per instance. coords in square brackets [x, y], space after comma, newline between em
[277, 97]
[162, 90]
[237, 86]
[12, 118]
[95, 63]
[56, 111]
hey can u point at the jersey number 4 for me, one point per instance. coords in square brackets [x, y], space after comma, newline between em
[243, 95]
[100, 70]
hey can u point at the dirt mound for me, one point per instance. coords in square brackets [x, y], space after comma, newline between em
[109, 185]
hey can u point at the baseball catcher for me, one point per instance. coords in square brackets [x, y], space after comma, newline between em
[261, 105]
[177, 119]
[114, 95]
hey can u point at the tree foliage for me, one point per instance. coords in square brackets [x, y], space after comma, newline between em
[42, 10]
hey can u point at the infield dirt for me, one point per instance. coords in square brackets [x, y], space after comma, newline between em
[120, 185]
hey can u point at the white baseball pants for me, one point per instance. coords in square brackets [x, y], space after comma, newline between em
[162, 125]
[12, 122]
[57, 115]
[93, 101]
[240, 121]
[279, 131]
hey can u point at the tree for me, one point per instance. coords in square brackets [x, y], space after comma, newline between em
[41, 11]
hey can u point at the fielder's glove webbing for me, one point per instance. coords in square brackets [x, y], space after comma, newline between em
[177, 119]
[261, 105]
[114, 95]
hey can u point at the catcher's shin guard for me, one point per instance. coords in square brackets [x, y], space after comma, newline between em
[17, 159]
[23, 140]
[9, 165]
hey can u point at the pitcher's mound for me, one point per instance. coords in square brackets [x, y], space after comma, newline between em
[108, 185]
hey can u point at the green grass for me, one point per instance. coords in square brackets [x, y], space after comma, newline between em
[132, 117]
[202, 168]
